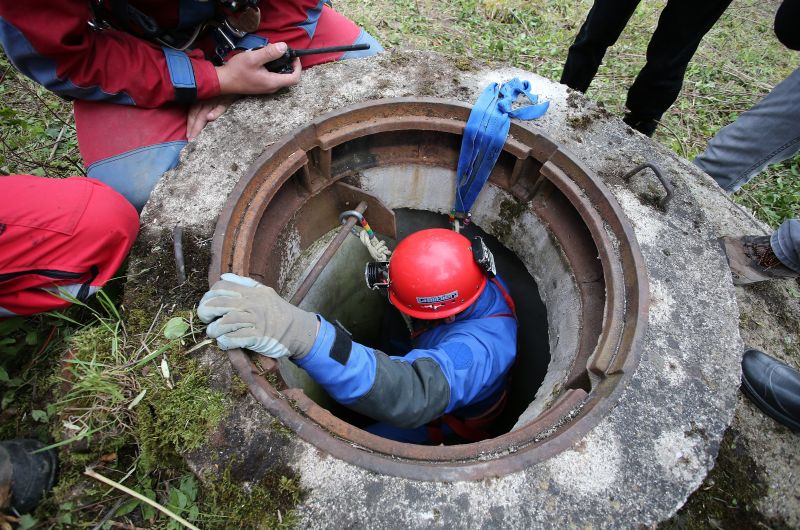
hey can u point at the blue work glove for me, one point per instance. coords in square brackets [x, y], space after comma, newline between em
[246, 314]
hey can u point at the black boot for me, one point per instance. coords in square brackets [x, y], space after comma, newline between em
[646, 126]
[25, 476]
[773, 386]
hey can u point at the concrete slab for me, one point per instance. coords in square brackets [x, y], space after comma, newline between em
[639, 465]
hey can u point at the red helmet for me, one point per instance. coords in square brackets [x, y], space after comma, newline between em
[433, 274]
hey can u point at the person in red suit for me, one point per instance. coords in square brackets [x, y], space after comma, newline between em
[145, 77]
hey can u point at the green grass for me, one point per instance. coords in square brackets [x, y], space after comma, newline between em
[775, 196]
[37, 129]
[126, 397]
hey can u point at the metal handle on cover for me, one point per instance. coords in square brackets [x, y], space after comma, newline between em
[664, 182]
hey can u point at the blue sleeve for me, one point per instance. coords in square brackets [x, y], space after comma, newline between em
[413, 390]
[345, 375]
[394, 390]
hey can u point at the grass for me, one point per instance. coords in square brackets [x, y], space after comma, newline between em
[88, 402]
[37, 129]
[112, 401]
[127, 399]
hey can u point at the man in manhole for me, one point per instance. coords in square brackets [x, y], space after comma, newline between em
[447, 381]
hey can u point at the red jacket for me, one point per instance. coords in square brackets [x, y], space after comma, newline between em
[51, 42]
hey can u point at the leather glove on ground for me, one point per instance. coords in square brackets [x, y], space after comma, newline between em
[246, 314]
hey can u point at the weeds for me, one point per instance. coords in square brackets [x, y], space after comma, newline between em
[106, 375]
[27, 347]
[37, 129]
[127, 403]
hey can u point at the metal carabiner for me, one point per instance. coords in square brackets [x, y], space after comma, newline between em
[351, 213]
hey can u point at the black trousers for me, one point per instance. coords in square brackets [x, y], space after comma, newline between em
[681, 27]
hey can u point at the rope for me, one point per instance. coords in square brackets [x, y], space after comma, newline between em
[377, 248]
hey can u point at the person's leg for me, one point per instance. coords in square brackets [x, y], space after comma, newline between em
[680, 29]
[128, 147]
[766, 134]
[785, 243]
[313, 24]
[602, 28]
[67, 235]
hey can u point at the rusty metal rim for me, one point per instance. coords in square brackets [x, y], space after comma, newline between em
[506, 453]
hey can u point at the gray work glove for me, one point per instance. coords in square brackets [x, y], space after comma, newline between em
[246, 314]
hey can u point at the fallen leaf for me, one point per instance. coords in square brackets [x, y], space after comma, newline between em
[175, 328]
[137, 399]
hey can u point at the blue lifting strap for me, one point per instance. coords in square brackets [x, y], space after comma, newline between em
[485, 135]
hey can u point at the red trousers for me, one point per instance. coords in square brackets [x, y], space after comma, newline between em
[59, 236]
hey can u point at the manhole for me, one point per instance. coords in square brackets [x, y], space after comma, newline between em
[555, 217]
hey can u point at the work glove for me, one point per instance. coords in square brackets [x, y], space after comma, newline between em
[243, 313]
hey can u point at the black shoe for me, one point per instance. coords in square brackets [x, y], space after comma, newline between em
[752, 259]
[646, 126]
[773, 386]
[25, 476]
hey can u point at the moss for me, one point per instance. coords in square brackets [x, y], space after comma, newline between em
[465, 64]
[239, 388]
[138, 321]
[269, 503]
[580, 121]
[510, 210]
[173, 421]
[272, 379]
[727, 499]
[400, 59]
[573, 99]
[92, 341]
[278, 427]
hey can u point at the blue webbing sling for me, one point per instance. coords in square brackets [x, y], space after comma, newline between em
[485, 134]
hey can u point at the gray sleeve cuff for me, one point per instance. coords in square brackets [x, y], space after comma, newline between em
[405, 395]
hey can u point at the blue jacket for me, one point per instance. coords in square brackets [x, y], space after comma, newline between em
[454, 368]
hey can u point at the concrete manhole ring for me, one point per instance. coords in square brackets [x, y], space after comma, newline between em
[663, 388]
